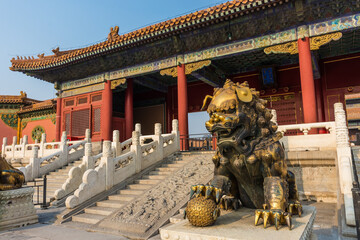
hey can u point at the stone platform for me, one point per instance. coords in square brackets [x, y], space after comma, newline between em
[17, 208]
[240, 225]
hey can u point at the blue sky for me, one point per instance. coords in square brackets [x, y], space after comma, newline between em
[28, 28]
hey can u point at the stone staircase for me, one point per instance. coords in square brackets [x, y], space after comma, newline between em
[94, 214]
[150, 190]
[54, 181]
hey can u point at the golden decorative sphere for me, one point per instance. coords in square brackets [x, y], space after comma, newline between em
[200, 211]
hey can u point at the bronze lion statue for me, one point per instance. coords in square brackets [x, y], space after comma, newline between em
[250, 167]
[10, 178]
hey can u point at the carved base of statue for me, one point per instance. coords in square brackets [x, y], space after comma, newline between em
[17, 208]
[239, 224]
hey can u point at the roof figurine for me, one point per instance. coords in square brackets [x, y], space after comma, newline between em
[114, 34]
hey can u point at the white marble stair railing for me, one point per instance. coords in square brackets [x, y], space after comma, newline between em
[114, 169]
[336, 139]
[24, 150]
[90, 162]
[68, 152]
[307, 141]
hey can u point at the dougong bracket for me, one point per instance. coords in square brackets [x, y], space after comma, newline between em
[315, 44]
[189, 68]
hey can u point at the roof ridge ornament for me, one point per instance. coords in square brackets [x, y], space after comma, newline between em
[57, 51]
[114, 34]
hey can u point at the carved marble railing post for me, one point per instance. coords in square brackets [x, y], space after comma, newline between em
[138, 128]
[87, 135]
[4, 143]
[160, 149]
[63, 149]
[344, 162]
[175, 130]
[107, 158]
[42, 144]
[116, 145]
[135, 147]
[35, 164]
[21, 141]
[274, 116]
[24, 143]
[88, 159]
[13, 147]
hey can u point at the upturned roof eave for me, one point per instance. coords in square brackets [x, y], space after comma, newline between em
[60, 59]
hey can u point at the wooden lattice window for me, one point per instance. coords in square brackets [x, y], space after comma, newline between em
[67, 123]
[96, 98]
[82, 100]
[80, 122]
[96, 119]
[69, 103]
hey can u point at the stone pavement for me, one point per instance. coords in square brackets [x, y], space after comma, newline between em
[325, 225]
[44, 230]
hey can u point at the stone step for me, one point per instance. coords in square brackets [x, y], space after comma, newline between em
[64, 170]
[53, 174]
[139, 186]
[155, 177]
[172, 165]
[48, 195]
[55, 184]
[147, 181]
[32, 184]
[55, 180]
[130, 192]
[166, 169]
[156, 172]
[57, 177]
[87, 218]
[50, 188]
[123, 198]
[105, 211]
[177, 218]
[110, 204]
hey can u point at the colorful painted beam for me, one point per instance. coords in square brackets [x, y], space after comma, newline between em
[226, 50]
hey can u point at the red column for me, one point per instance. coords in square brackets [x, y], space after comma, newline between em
[129, 114]
[58, 119]
[182, 104]
[107, 108]
[307, 81]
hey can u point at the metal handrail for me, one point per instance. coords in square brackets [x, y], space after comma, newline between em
[198, 142]
[43, 204]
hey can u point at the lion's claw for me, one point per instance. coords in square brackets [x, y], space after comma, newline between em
[208, 191]
[275, 217]
[295, 208]
[228, 202]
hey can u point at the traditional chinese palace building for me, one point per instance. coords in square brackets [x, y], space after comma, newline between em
[302, 55]
[20, 115]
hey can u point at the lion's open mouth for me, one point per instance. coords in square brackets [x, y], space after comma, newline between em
[221, 131]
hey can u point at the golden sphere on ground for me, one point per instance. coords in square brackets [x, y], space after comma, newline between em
[200, 211]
